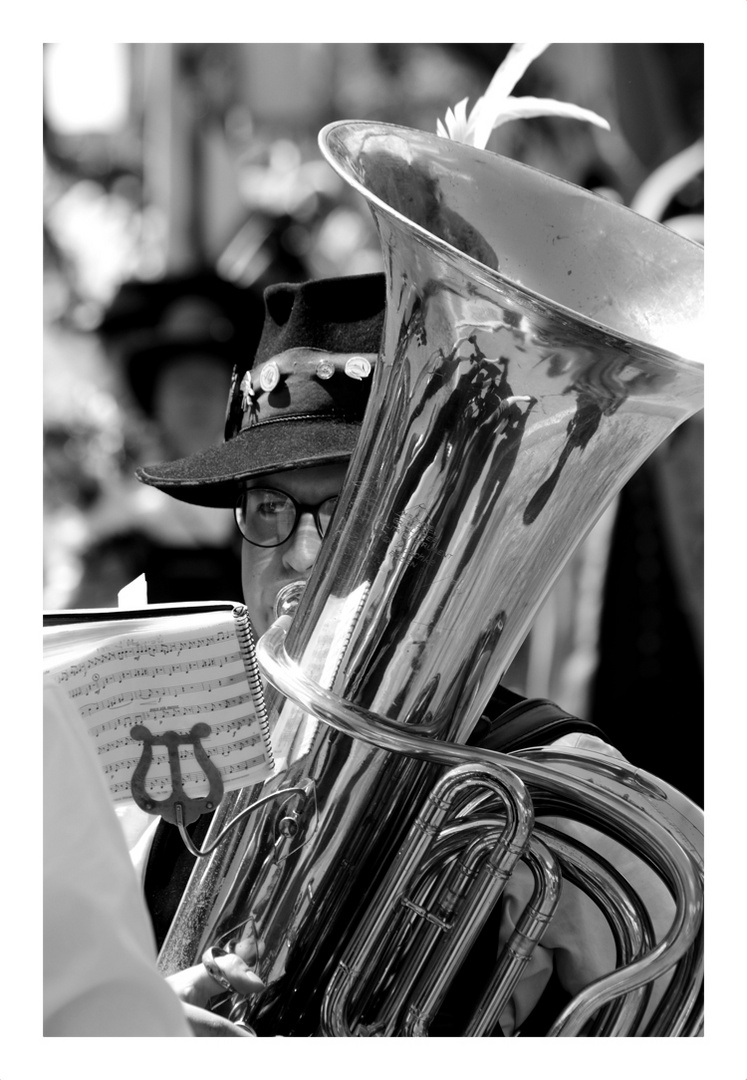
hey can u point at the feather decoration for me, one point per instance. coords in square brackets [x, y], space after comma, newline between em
[497, 107]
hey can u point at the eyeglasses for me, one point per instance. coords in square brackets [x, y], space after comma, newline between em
[267, 518]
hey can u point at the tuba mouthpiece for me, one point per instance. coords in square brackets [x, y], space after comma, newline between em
[289, 597]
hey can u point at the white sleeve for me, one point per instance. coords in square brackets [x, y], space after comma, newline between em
[100, 975]
[139, 831]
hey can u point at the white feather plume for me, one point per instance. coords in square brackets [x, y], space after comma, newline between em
[497, 107]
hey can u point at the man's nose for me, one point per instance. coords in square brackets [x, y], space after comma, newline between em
[301, 553]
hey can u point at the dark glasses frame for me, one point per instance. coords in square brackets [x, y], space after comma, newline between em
[299, 508]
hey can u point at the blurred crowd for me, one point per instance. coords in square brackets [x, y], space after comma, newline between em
[147, 306]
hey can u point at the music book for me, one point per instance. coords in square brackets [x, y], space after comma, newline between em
[171, 697]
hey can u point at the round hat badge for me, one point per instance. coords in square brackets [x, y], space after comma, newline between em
[269, 377]
[357, 367]
[325, 369]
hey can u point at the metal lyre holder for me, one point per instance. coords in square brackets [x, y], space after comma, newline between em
[178, 808]
[540, 343]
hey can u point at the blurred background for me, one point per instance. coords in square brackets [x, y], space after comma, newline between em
[181, 179]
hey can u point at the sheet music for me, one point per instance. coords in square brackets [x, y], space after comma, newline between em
[168, 674]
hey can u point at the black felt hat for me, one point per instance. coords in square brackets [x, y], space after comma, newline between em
[151, 324]
[301, 400]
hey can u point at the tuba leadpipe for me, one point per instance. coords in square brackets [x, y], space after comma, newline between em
[539, 344]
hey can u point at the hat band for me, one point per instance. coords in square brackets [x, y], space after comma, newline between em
[304, 383]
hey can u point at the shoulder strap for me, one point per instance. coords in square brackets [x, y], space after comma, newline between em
[529, 722]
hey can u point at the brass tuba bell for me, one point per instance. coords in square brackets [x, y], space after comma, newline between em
[540, 343]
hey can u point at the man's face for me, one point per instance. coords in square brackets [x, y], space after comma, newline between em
[264, 571]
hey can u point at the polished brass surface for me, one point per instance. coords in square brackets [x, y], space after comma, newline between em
[540, 343]
[638, 810]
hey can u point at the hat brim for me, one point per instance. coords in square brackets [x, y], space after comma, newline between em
[214, 477]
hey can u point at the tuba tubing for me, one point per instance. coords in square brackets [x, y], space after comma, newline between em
[641, 827]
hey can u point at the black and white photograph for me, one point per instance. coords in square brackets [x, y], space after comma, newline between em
[374, 683]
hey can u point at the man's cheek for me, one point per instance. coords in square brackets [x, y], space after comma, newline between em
[256, 577]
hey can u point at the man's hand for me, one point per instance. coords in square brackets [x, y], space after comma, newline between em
[195, 986]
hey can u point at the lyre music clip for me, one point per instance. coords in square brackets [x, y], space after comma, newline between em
[191, 808]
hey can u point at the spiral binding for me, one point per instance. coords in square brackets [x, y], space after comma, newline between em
[245, 635]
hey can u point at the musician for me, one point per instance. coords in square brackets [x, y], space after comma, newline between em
[174, 343]
[292, 421]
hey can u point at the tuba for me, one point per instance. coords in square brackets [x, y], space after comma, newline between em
[540, 343]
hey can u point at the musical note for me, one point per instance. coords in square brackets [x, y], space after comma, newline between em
[168, 679]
